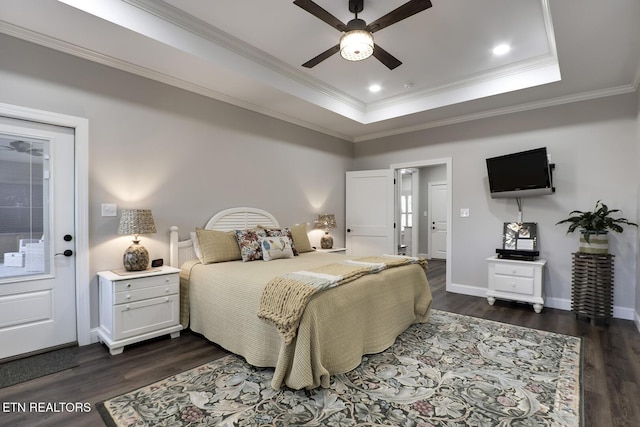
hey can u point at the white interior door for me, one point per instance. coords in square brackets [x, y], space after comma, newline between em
[438, 218]
[37, 264]
[369, 212]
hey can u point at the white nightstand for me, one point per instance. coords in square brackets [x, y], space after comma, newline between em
[138, 306]
[516, 280]
[334, 250]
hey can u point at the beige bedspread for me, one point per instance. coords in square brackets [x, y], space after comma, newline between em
[338, 326]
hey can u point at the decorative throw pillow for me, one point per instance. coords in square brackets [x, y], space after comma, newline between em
[286, 232]
[300, 238]
[217, 246]
[249, 243]
[276, 247]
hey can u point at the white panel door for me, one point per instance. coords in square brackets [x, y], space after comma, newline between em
[369, 212]
[438, 213]
[37, 264]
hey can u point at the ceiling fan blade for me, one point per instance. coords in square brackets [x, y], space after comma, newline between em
[321, 14]
[385, 57]
[324, 55]
[406, 10]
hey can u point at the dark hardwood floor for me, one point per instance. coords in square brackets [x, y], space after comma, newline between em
[611, 364]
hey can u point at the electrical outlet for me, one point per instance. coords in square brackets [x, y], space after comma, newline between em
[464, 213]
[109, 209]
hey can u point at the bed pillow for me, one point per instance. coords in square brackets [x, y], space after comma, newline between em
[276, 247]
[286, 232]
[217, 246]
[300, 238]
[249, 243]
[196, 245]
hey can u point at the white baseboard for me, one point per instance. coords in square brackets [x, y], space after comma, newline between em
[559, 303]
[93, 336]
[474, 291]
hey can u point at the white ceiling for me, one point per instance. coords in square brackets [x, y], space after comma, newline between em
[249, 53]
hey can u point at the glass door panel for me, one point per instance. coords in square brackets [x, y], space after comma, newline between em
[24, 207]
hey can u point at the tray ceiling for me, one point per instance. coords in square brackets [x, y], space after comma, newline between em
[249, 53]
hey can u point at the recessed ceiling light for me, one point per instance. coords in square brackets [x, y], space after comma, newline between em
[375, 88]
[501, 49]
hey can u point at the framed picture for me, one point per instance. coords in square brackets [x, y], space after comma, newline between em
[520, 236]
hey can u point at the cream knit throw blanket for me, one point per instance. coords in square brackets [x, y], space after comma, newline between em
[285, 297]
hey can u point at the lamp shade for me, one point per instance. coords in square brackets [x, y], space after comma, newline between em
[136, 221]
[356, 45]
[326, 221]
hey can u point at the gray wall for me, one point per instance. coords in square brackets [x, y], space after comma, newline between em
[594, 145]
[180, 154]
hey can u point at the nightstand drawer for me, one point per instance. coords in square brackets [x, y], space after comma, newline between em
[512, 284]
[146, 282]
[145, 316]
[515, 270]
[144, 293]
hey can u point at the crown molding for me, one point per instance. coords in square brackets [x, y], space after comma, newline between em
[90, 55]
[585, 96]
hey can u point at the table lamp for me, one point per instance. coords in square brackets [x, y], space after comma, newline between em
[136, 221]
[326, 221]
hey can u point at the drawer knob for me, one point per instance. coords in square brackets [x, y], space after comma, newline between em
[167, 290]
[127, 307]
[514, 271]
[128, 296]
[166, 299]
[128, 285]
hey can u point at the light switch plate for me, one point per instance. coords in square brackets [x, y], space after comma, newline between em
[464, 213]
[109, 209]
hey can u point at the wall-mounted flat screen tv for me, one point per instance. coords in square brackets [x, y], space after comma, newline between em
[523, 174]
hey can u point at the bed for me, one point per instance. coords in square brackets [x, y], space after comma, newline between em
[220, 300]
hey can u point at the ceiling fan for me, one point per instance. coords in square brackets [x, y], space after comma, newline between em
[22, 147]
[357, 41]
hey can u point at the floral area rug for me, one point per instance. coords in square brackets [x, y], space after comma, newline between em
[452, 371]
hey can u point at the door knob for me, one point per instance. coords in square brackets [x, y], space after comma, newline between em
[67, 253]
[348, 230]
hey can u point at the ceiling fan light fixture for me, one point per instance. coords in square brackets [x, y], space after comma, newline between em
[356, 45]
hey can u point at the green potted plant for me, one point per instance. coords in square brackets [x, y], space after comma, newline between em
[594, 226]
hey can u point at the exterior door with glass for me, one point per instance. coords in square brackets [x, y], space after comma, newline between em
[37, 264]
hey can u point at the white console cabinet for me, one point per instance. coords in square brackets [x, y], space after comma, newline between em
[138, 306]
[516, 280]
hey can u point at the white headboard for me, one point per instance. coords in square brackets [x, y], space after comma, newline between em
[229, 219]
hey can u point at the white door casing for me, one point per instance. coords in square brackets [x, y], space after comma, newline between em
[37, 298]
[448, 163]
[82, 277]
[438, 195]
[370, 212]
